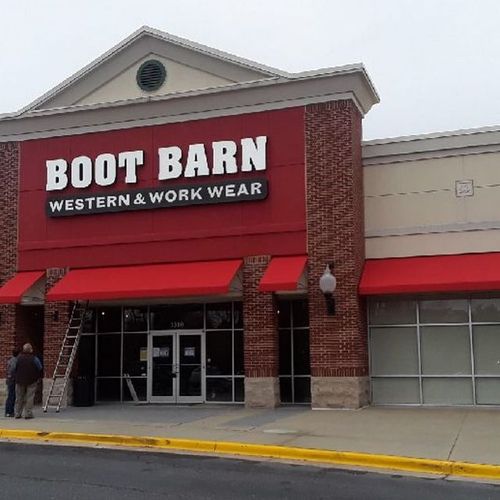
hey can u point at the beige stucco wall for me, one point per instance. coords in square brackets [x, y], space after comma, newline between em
[180, 78]
[411, 208]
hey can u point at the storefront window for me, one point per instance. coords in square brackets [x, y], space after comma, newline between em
[109, 320]
[399, 312]
[448, 354]
[294, 359]
[443, 311]
[219, 316]
[135, 319]
[177, 317]
[115, 350]
[485, 310]
[108, 355]
[135, 354]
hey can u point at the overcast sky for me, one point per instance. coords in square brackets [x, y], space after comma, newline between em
[434, 63]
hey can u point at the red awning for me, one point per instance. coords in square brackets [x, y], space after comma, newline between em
[284, 274]
[158, 280]
[440, 273]
[12, 292]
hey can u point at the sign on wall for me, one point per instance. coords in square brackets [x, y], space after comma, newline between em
[226, 158]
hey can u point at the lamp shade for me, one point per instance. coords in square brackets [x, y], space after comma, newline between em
[327, 282]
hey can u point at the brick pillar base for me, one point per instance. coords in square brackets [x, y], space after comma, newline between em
[260, 338]
[339, 392]
[68, 394]
[262, 392]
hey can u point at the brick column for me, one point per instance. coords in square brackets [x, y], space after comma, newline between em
[9, 174]
[57, 316]
[260, 338]
[335, 229]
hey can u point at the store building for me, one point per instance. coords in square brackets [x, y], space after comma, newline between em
[195, 199]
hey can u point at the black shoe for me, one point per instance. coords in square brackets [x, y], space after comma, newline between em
[9, 414]
[18, 416]
[27, 417]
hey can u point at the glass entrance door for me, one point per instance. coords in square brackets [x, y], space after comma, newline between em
[177, 373]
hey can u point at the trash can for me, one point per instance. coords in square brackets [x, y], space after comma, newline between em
[83, 391]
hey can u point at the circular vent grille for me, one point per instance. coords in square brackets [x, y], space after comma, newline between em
[151, 75]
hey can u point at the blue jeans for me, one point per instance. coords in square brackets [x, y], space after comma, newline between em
[11, 399]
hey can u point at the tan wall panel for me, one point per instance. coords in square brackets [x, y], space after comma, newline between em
[484, 206]
[484, 168]
[179, 78]
[408, 196]
[411, 210]
[433, 244]
[415, 176]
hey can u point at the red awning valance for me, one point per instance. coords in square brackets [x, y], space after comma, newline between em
[158, 280]
[14, 290]
[284, 274]
[439, 273]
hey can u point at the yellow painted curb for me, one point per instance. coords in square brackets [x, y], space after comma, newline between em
[392, 462]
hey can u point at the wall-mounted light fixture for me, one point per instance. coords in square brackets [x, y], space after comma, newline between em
[55, 315]
[327, 284]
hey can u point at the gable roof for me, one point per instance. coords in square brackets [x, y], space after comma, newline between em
[238, 68]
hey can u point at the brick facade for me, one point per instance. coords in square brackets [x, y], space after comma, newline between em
[335, 229]
[9, 174]
[260, 322]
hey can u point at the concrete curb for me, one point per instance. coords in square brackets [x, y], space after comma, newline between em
[368, 460]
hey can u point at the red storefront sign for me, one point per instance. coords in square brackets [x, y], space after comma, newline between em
[192, 228]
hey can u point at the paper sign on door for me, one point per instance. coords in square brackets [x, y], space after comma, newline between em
[189, 352]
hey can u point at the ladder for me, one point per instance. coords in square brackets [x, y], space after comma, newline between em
[67, 355]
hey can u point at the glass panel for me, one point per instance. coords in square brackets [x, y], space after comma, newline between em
[141, 389]
[189, 365]
[485, 309]
[108, 355]
[239, 365]
[486, 349]
[488, 391]
[301, 361]
[86, 356]
[219, 353]
[443, 311]
[447, 391]
[238, 314]
[395, 391]
[108, 389]
[89, 321]
[135, 319]
[286, 389]
[392, 312]
[302, 389]
[177, 316]
[162, 383]
[394, 351]
[300, 313]
[239, 389]
[219, 316]
[445, 350]
[109, 319]
[285, 352]
[135, 354]
[284, 314]
[219, 389]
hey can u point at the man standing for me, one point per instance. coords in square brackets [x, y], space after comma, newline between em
[11, 383]
[28, 370]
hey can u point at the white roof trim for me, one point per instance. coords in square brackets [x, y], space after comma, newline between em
[433, 135]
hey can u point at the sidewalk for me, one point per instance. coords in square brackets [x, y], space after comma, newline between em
[463, 435]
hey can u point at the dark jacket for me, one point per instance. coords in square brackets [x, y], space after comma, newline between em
[27, 369]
